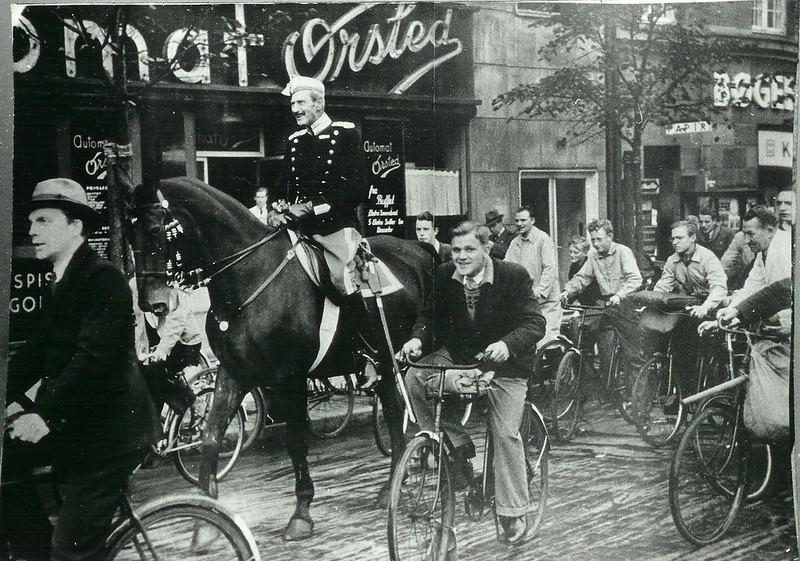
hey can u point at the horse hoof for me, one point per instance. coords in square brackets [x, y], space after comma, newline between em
[298, 529]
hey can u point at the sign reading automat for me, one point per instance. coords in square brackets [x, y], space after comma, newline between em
[89, 169]
[382, 146]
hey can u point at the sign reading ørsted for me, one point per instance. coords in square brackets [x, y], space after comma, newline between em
[385, 202]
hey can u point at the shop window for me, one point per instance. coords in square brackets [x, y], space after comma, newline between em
[437, 191]
[769, 16]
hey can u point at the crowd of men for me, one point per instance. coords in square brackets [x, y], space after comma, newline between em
[496, 293]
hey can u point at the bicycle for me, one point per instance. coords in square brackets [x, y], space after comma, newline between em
[422, 498]
[712, 471]
[658, 411]
[186, 527]
[182, 430]
[565, 402]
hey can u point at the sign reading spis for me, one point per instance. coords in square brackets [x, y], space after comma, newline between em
[367, 35]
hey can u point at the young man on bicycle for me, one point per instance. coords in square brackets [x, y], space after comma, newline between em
[693, 271]
[90, 417]
[612, 267]
[481, 305]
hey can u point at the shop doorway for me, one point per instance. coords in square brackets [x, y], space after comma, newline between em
[562, 202]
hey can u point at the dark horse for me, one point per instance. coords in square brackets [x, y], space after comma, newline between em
[273, 340]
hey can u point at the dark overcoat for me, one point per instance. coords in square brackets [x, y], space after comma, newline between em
[92, 395]
[506, 311]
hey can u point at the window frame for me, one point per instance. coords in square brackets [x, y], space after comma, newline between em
[761, 9]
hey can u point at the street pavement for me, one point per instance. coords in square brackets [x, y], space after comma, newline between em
[607, 502]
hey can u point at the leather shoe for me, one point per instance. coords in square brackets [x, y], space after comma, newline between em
[515, 529]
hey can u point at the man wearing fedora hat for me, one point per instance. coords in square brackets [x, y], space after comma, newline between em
[500, 236]
[75, 398]
[322, 181]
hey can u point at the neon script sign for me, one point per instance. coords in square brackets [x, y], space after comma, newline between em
[337, 46]
[329, 47]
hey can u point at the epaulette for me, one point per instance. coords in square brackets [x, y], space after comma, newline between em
[297, 133]
[343, 124]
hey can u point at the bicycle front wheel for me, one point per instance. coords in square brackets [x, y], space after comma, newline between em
[192, 528]
[656, 402]
[192, 425]
[707, 477]
[537, 449]
[330, 405]
[421, 504]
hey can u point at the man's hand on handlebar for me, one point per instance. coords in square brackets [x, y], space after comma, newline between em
[614, 300]
[727, 315]
[154, 357]
[705, 326]
[411, 349]
[699, 312]
[564, 297]
[496, 352]
[28, 427]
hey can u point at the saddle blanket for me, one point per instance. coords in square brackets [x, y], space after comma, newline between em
[330, 311]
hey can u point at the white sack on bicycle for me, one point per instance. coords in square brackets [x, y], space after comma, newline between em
[766, 407]
[461, 381]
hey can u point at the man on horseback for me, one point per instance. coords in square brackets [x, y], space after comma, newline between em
[322, 181]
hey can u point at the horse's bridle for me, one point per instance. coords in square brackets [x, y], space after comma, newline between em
[174, 272]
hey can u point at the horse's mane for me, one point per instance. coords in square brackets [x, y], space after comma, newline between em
[207, 202]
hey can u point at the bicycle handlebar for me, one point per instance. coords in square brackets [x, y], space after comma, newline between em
[567, 306]
[442, 366]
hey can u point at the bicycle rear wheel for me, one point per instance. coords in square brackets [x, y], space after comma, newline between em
[330, 405]
[190, 527]
[192, 426]
[542, 380]
[421, 504]
[656, 402]
[565, 405]
[708, 476]
[537, 450]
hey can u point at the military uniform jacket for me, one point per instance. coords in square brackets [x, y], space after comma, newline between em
[92, 395]
[328, 170]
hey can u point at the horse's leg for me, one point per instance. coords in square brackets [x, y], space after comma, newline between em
[228, 395]
[301, 525]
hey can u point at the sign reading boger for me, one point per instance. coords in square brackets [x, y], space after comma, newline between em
[382, 146]
[767, 91]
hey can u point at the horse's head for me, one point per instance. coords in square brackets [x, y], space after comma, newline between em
[155, 236]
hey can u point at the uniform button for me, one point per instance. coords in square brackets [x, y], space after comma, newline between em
[330, 152]
[294, 149]
[327, 172]
[323, 181]
[295, 141]
[297, 178]
[333, 141]
[334, 132]
[292, 158]
[330, 161]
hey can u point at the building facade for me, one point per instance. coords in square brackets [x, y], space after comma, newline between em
[417, 79]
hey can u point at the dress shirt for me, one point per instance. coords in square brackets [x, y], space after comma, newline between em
[776, 266]
[615, 272]
[260, 213]
[538, 255]
[697, 274]
[485, 275]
